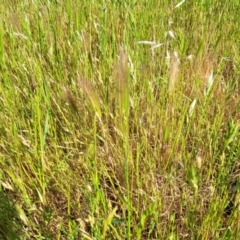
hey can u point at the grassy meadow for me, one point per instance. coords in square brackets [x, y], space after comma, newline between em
[119, 119]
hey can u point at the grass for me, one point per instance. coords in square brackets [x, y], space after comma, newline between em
[119, 119]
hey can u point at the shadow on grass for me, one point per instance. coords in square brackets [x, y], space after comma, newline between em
[10, 225]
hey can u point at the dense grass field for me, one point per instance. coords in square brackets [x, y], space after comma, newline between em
[119, 119]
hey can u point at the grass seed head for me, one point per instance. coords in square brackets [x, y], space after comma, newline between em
[70, 99]
[122, 81]
[93, 97]
[173, 72]
[199, 161]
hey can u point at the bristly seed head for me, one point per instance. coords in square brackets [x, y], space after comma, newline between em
[173, 73]
[70, 99]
